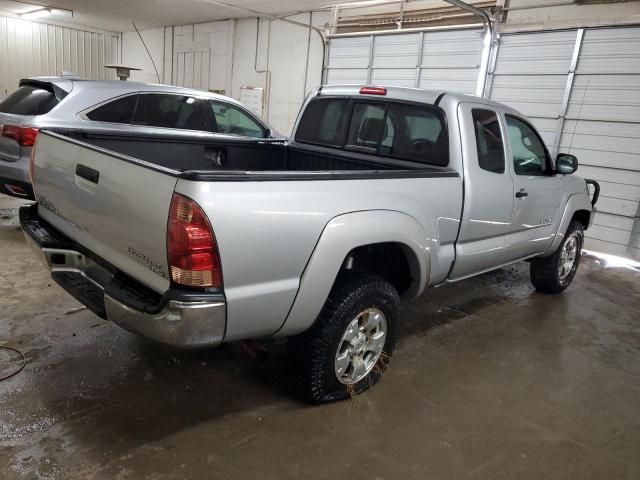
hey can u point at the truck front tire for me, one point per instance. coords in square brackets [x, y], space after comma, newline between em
[349, 346]
[555, 273]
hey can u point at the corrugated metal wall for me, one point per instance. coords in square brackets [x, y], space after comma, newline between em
[29, 49]
[601, 121]
[440, 59]
[531, 74]
[602, 129]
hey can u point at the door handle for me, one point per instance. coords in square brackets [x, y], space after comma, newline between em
[522, 193]
[87, 173]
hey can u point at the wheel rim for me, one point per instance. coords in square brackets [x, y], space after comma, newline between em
[568, 256]
[361, 346]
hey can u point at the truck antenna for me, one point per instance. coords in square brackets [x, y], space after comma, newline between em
[575, 127]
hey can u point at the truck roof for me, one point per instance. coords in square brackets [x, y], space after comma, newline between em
[406, 93]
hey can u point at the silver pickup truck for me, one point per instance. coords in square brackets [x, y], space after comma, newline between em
[380, 193]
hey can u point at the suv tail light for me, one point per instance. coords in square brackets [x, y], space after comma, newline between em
[191, 246]
[25, 136]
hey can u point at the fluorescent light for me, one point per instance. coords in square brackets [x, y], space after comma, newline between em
[39, 13]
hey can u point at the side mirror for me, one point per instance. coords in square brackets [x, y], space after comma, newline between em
[566, 163]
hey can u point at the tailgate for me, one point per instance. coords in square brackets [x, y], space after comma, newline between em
[115, 206]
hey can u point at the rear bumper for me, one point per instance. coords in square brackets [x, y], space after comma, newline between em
[178, 318]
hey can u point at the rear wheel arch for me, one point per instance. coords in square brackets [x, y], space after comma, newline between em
[358, 233]
[395, 262]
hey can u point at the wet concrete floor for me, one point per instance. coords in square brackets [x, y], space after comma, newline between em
[489, 380]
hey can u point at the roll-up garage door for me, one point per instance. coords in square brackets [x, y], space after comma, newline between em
[531, 73]
[602, 129]
[448, 60]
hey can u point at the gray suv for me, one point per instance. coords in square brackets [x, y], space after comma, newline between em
[112, 106]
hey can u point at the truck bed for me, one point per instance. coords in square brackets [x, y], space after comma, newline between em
[215, 154]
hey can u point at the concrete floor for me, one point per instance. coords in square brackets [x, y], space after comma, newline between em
[489, 380]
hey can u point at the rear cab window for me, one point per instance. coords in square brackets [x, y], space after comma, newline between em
[30, 100]
[392, 129]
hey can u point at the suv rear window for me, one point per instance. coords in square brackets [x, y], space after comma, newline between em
[29, 100]
[397, 130]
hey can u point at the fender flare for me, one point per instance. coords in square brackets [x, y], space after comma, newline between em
[341, 235]
[577, 201]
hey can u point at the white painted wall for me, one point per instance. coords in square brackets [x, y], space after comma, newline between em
[286, 63]
[135, 55]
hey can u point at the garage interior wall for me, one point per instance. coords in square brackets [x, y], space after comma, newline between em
[228, 55]
[595, 115]
[32, 49]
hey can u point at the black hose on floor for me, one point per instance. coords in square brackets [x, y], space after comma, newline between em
[24, 362]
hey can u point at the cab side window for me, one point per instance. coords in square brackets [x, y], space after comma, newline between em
[527, 149]
[489, 143]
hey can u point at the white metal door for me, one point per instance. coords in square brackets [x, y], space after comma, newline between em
[192, 68]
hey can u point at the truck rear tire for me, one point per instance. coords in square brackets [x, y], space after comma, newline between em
[347, 349]
[555, 273]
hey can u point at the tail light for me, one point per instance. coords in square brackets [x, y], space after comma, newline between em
[25, 136]
[191, 246]
[373, 91]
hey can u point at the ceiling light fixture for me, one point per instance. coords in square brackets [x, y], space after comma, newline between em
[38, 13]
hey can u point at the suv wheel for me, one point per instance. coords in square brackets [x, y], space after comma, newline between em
[555, 273]
[349, 346]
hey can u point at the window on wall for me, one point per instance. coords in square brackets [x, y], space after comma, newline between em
[390, 129]
[232, 120]
[527, 149]
[489, 143]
